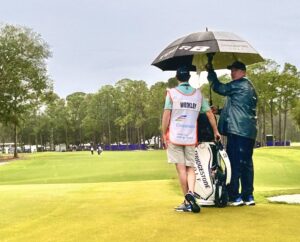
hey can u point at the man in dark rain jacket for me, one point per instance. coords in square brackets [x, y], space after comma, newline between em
[238, 122]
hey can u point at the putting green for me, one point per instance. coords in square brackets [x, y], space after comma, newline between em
[76, 197]
[133, 211]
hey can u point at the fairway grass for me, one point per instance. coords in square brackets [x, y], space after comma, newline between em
[82, 167]
[52, 203]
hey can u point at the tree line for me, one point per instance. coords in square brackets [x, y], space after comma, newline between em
[127, 112]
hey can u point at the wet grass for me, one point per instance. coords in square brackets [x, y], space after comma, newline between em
[129, 196]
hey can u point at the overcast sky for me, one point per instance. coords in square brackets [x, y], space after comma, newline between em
[97, 42]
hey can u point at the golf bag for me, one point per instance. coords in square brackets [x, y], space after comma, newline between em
[212, 167]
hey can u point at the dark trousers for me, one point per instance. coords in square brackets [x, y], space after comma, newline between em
[240, 151]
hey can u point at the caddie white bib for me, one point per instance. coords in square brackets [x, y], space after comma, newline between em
[183, 122]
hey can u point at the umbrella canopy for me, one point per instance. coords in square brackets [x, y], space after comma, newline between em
[192, 50]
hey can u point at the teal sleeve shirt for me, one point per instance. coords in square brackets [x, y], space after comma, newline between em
[187, 90]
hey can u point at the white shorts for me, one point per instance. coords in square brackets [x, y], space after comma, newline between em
[179, 154]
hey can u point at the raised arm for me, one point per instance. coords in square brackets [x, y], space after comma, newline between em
[217, 86]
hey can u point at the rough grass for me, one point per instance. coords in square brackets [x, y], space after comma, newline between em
[129, 196]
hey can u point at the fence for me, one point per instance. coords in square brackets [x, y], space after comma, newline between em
[126, 147]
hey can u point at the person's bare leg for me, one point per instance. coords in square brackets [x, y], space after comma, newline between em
[191, 178]
[182, 176]
[189, 197]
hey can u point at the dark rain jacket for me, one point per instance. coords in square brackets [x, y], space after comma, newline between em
[238, 115]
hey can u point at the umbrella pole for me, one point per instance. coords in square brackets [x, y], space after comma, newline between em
[210, 96]
[209, 66]
[210, 57]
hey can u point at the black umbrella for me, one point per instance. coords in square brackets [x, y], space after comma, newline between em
[192, 51]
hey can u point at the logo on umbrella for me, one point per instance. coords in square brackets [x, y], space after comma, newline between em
[196, 48]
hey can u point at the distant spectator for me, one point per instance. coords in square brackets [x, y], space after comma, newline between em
[99, 149]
